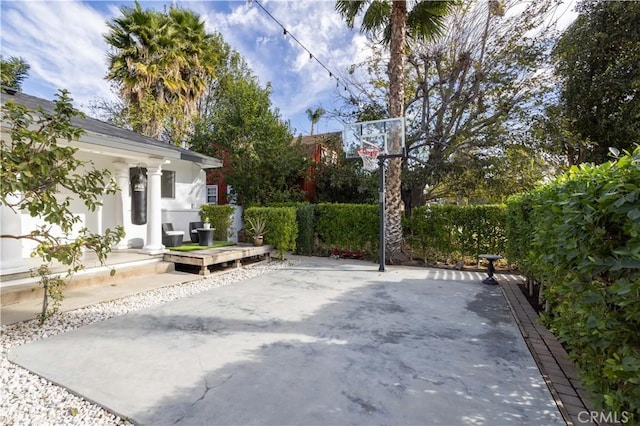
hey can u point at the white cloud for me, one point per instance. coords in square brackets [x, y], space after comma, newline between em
[62, 41]
[323, 32]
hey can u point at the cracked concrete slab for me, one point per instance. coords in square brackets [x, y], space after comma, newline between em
[323, 342]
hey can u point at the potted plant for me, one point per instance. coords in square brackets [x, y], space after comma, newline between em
[257, 229]
[205, 223]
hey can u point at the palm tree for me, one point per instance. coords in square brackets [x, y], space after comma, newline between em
[160, 63]
[315, 115]
[199, 57]
[13, 71]
[133, 65]
[394, 24]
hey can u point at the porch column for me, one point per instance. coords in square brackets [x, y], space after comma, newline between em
[154, 209]
[123, 217]
[10, 224]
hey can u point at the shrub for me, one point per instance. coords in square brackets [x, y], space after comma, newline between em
[519, 227]
[305, 215]
[348, 226]
[282, 228]
[584, 245]
[448, 232]
[220, 217]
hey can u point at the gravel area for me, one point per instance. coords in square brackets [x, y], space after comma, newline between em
[27, 399]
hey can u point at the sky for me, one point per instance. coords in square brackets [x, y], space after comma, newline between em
[63, 42]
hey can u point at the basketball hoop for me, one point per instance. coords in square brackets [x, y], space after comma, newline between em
[369, 156]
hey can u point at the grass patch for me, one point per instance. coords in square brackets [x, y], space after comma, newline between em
[196, 246]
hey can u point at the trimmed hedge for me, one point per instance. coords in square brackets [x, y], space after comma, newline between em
[305, 215]
[519, 229]
[281, 224]
[450, 232]
[220, 217]
[580, 237]
[348, 226]
[440, 232]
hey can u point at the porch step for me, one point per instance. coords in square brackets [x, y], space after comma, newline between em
[17, 287]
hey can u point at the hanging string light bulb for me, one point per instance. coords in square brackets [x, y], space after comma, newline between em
[286, 32]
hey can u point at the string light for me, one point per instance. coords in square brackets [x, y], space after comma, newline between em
[288, 33]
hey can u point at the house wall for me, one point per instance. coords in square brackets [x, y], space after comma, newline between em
[190, 193]
[93, 220]
[116, 150]
[190, 186]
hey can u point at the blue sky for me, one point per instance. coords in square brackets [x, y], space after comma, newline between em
[62, 41]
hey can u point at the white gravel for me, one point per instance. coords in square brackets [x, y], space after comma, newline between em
[28, 399]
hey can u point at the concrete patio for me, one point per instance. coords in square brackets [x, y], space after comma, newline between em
[323, 342]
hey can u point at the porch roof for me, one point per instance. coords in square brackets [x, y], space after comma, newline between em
[114, 137]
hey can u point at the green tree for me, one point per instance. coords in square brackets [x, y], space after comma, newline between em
[345, 182]
[469, 94]
[41, 177]
[395, 24]
[160, 64]
[238, 123]
[478, 177]
[597, 62]
[13, 71]
[314, 116]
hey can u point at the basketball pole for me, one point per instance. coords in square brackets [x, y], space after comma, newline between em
[381, 250]
[367, 146]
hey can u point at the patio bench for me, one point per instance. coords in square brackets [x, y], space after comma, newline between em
[170, 237]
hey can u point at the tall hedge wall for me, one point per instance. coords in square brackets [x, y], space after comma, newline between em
[306, 217]
[451, 232]
[348, 226]
[580, 237]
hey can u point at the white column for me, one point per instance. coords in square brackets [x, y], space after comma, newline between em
[154, 210]
[99, 221]
[10, 248]
[123, 201]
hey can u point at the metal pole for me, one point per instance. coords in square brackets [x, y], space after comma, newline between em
[382, 215]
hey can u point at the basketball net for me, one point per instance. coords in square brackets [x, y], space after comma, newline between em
[369, 156]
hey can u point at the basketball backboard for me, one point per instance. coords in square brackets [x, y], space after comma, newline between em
[385, 135]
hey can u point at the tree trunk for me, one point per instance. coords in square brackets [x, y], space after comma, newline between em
[396, 105]
[413, 196]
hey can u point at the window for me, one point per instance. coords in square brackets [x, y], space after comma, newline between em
[212, 194]
[168, 184]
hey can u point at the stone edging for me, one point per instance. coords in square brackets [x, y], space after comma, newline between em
[556, 368]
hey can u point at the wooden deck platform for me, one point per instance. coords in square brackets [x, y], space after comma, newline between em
[215, 256]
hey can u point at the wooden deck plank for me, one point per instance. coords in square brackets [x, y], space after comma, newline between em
[215, 256]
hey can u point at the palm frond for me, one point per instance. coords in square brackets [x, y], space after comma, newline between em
[350, 9]
[426, 20]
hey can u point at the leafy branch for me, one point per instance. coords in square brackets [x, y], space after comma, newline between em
[41, 176]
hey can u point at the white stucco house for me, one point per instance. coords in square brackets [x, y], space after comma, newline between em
[176, 185]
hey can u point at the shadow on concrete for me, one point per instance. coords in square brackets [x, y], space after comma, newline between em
[299, 346]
